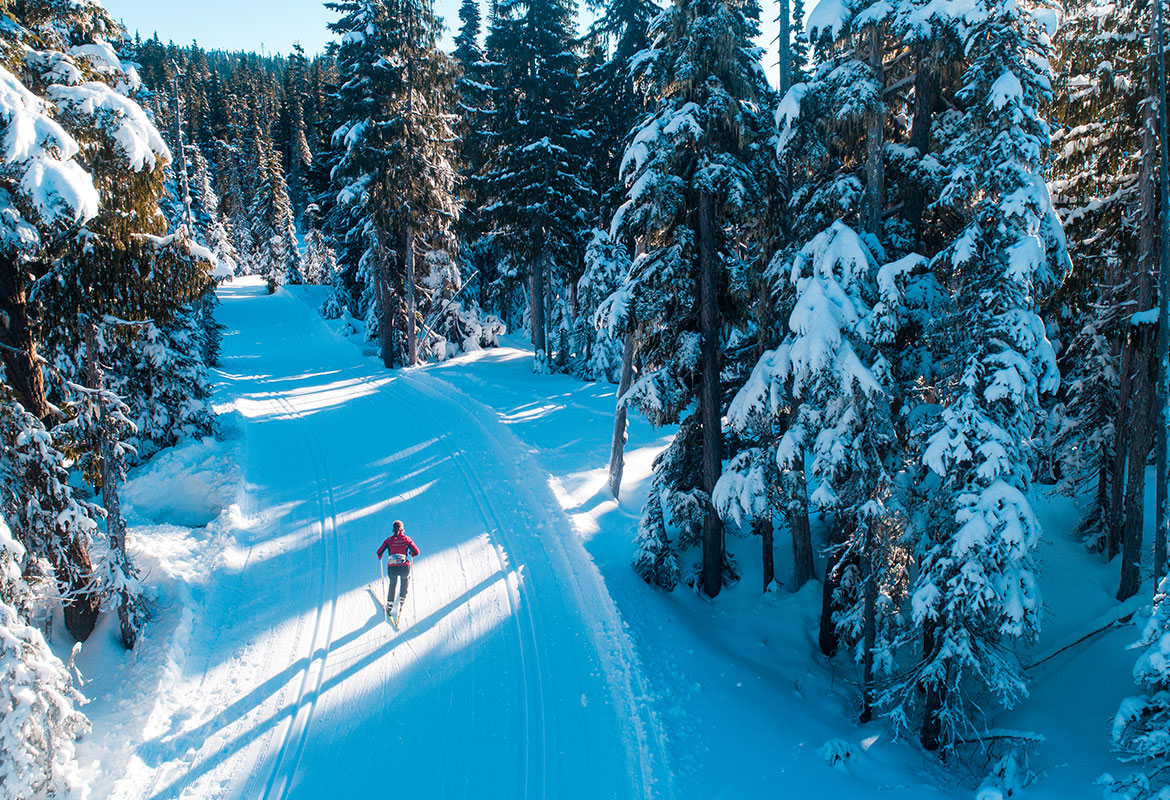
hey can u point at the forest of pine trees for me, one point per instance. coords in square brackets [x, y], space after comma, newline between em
[880, 297]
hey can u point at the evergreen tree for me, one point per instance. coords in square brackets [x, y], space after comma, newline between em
[610, 100]
[296, 99]
[45, 195]
[211, 229]
[611, 106]
[120, 269]
[607, 264]
[836, 360]
[472, 94]
[396, 175]
[976, 585]
[694, 204]
[475, 130]
[534, 193]
[320, 262]
[274, 236]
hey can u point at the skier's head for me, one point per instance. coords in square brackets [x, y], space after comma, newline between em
[398, 526]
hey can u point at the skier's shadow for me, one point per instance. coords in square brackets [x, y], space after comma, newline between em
[164, 749]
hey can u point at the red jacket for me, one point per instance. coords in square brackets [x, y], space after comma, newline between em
[398, 545]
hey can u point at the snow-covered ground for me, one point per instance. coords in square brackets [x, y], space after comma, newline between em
[749, 703]
[534, 662]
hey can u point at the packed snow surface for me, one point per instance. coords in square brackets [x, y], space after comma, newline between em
[512, 676]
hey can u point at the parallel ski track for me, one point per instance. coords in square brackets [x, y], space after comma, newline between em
[535, 731]
[296, 731]
[652, 750]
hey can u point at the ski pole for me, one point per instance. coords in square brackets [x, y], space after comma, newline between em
[382, 575]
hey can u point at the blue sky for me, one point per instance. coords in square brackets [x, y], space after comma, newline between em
[273, 25]
[244, 24]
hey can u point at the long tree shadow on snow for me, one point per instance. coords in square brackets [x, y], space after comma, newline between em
[239, 601]
[162, 747]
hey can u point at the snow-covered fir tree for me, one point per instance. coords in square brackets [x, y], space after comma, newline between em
[694, 201]
[211, 229]
[610, 100]
[120, 270]
[46, 195]
[474, 113]
[320, 263]
[534, 194]
[295, 126]
[276, 253]
[611, 105]
[396, 178]
[833, 371]
[976, 590]
[607, 264]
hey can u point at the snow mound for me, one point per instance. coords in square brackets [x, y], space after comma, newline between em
[188, 485]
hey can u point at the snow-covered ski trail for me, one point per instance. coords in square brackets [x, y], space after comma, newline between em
[510, 676]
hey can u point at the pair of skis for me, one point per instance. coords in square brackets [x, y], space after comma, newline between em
[393, 615]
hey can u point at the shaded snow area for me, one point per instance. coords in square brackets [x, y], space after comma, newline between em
[185, 485]
[183, 513]
[533, 662]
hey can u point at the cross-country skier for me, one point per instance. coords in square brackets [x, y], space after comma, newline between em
[401, 550]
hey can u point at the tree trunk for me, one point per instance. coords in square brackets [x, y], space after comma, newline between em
[874, 143]
[617, 451]
[869, 623]
[1139, 420]
[763, 527]
[785, 38]
[411, 297]
[1162, 360]
[1135, 485]
[75, 570]
[115, 524]
[925, 97]
[803, 568]
[710, 394]
[931, 734]
[1102, 491]
[385, 334]
[1130, 409]
[536, 305]
[17, 348]
[1123, 434]
[827, 638]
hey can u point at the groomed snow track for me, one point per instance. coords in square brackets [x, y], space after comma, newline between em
[512, 677]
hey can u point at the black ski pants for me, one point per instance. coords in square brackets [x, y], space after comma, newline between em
[396, 573]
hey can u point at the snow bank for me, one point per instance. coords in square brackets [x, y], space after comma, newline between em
[188, 485]
[135, 698]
